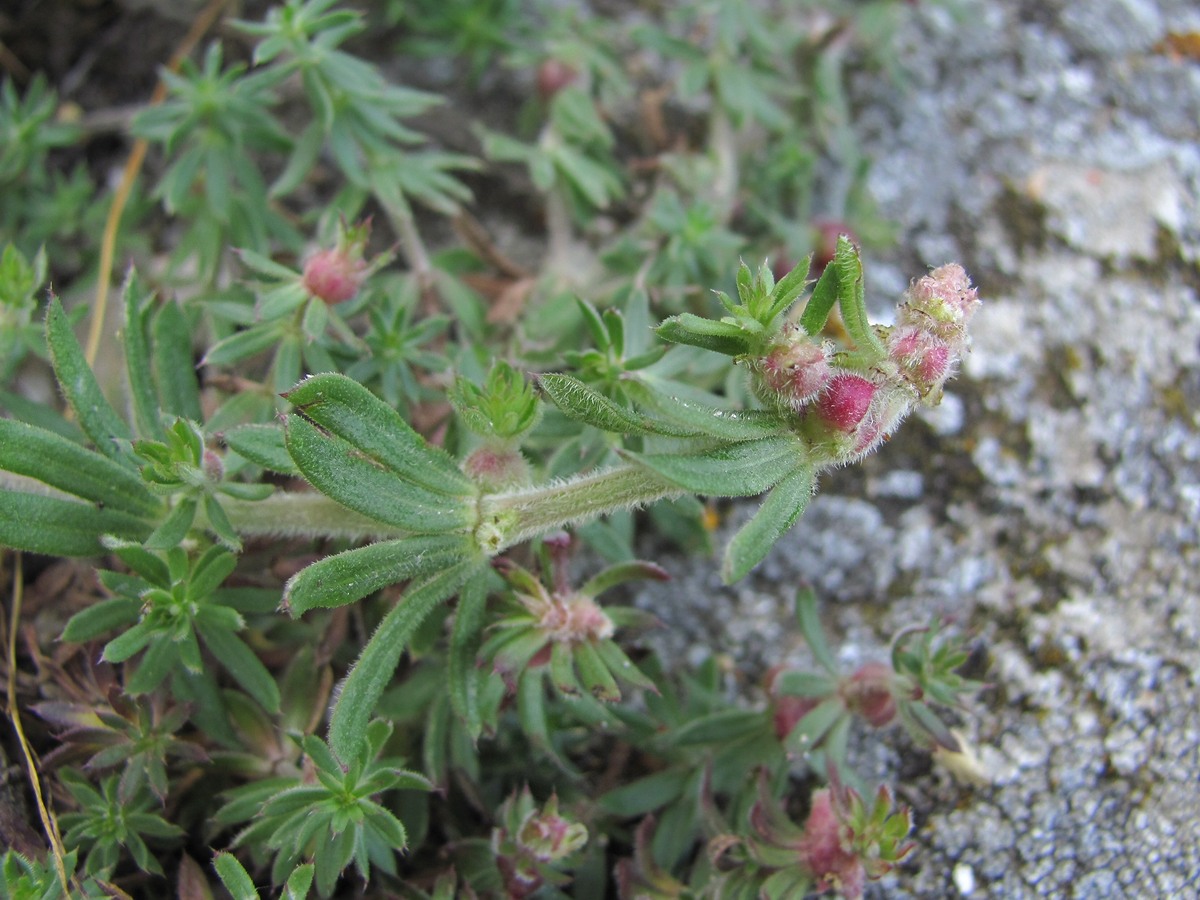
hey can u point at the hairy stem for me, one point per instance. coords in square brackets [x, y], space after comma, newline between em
[526, 513]
[301, 514]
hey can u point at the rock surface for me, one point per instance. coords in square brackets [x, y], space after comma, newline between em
[1050, 507]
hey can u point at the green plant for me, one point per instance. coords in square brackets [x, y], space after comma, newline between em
[332, 444]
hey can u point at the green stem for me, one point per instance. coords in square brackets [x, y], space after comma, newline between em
[401, 218]
[723, 140]
[520, 515]
[301, 514]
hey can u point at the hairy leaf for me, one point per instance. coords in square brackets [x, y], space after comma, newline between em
[378, 661]
[731, 470]
[343, 407]
[353, 574]
[778, 513]
[63, 464]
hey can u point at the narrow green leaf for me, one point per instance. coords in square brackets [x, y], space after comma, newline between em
[821, 303]
[235, 877]
[927, 721]
[209, 572]
[718, 727]
[794, 683]
[623, 667]
[594, 674]
[788, 290]
[345, 408]
[95, 415]
[730, 470]
[299, 883]
[160, 658]
[137, 359]
[342, 471]
[63, 464]
[241, 662]
[645, 795]
[130, 641]
[463, 673]
[55, 527]
[810, 730]
[584, 404]
[174, 369]
[595, 324]
[300, 164]
[810, 626]
[697, 331]
[353, 574]
[100, 618]
[377, 663]
[726, 424]
[610, 577]
[241, 344]
[778, 513]
[262, 444]
[40, 414]
[851, 299]
[786, 884]
[562, 668]
[175, 527]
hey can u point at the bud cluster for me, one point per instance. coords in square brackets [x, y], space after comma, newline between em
[931, 327]
[846, 406]
[532, 846]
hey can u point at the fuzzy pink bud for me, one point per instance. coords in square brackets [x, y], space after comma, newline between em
[496, 469]
[824, 852]
[942, 302]
[846, 401]
[334, 275]
[796, 369]
[923, 357]
[868, 693]
[552, 76]
[214, 466]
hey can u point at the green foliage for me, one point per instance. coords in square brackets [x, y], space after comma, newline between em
[346, 537]
[331, 819]
[106, 824]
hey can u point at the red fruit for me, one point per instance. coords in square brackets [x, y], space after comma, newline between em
[552, 76]
[334, 275]
[868, 693]
[824, 853]
[846, 401]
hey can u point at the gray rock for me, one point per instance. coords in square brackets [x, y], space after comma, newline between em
[1051, 506]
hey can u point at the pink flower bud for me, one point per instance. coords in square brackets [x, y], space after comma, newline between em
[548, 836]
[942, 302]
[795, 370]
[923, 357]
[552, 76]
[846, 401]
[214, 466]
[868, 693]
[824, 849]
[496, 470]
[334, 275]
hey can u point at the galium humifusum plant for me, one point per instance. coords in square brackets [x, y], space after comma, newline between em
[435, 522]
[564, 414]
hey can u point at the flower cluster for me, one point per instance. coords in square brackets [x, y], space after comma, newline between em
[847, 403]
[845, 841]
[532, 846]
